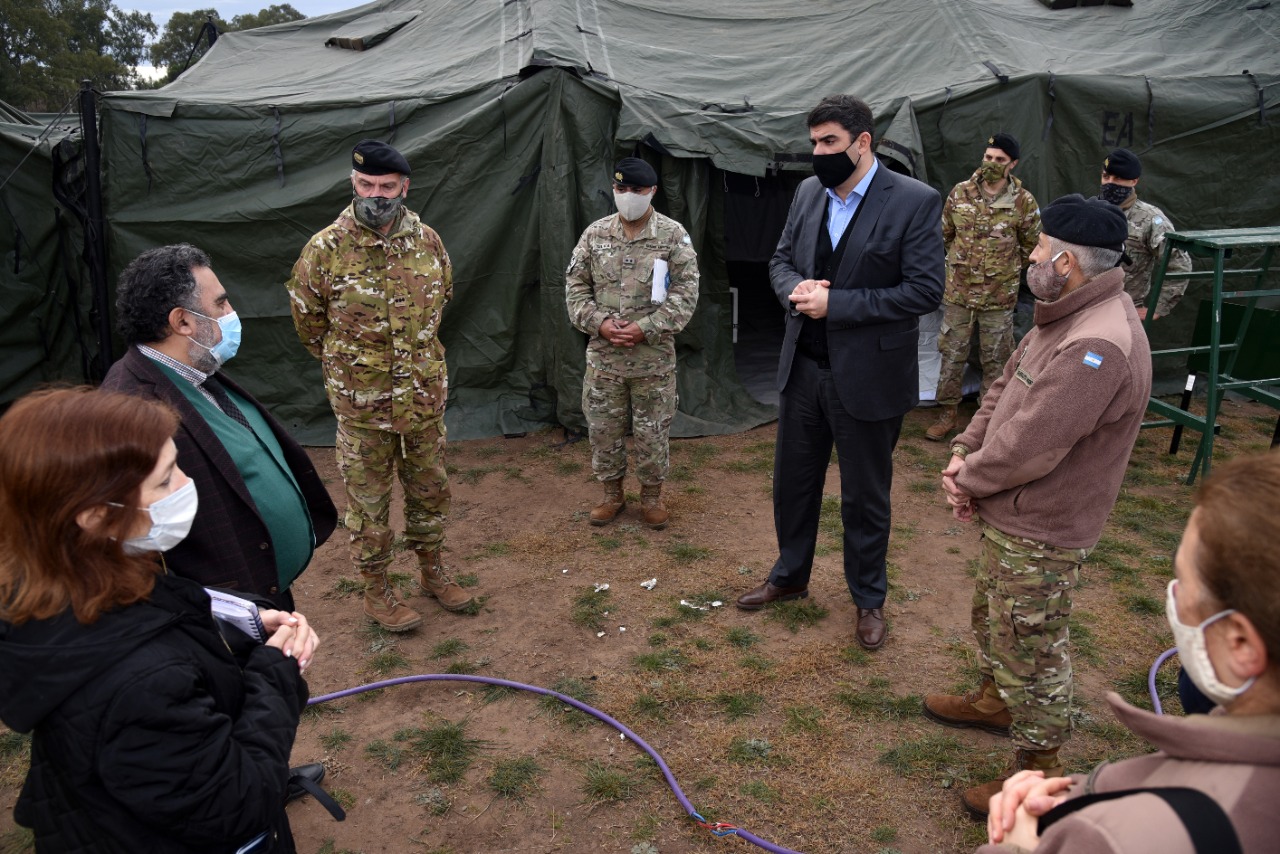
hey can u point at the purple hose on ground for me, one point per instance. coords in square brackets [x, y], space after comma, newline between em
[1151, 678]
[580, 706]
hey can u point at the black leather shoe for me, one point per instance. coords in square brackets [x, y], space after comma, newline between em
[754, 600]
[313, 772]
[871, 629]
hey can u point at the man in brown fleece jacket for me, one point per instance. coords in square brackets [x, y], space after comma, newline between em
[1041, 465]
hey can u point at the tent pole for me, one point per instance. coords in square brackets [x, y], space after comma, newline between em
[95, 232]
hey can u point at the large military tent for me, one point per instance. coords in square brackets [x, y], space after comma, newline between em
[511, 112]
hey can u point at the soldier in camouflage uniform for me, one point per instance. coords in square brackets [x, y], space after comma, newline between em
[367, 294]
[990, 224]
[1147, 228]
[632, 284]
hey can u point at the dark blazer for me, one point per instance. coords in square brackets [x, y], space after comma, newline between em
[229, 545]
[891, 273]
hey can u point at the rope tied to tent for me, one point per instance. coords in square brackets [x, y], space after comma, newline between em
[1262, 101]
[1000, 75]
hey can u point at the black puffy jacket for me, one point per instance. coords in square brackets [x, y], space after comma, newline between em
[148, 733]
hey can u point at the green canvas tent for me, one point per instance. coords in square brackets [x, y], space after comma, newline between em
[512, 111]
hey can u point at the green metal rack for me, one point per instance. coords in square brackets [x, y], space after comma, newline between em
[1220, 245]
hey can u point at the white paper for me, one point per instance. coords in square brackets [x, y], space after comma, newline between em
[661, 278]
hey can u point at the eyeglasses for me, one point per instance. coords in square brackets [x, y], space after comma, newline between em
[627, 188]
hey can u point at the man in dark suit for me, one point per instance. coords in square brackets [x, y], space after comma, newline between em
[860, 259]
[262, 508]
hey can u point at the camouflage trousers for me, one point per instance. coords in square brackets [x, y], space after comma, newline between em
[646, 404]
[366, 459]
[1021, 605]
[995, 343]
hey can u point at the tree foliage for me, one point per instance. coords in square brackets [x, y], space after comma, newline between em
[184, 42]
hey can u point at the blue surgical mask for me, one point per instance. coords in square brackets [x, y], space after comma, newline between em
[226, 349]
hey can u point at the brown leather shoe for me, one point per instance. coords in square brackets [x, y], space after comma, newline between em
[977, 799]
[947, 418]
[434, 582]
[754, 600]
[383, 606]
[871, 633]
[981, 709]
[615, 501]
[654, 511]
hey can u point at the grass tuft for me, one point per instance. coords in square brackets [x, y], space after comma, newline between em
[515, 779]
[796, 614]
[603, 784]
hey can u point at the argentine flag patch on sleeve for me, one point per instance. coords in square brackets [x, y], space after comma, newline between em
[1093, 360]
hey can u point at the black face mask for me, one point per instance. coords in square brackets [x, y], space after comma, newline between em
[1114, 193]
[834, 169]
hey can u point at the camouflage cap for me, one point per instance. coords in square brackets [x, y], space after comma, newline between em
[1085, 222]
[1007, 143]
[371, 157]
[1122, 163]
[634, 172]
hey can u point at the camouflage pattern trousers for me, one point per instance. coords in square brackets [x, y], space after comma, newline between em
[995, 343]
[366, 458]
[1021, 605]
[646, 404]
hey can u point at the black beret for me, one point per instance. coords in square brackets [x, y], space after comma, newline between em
[1006, 143]
[634, 172]
[1085, 222]
[371, 157]
[1123, 163]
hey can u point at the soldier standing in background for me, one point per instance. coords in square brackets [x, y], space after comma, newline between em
[1147, 228]
[990, 224]
[367, 294]
[632, 284]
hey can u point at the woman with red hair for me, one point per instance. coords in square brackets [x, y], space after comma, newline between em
[152, 728]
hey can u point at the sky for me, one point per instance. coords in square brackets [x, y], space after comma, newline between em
[160, 10]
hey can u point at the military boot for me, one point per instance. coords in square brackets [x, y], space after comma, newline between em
[615, 501]
[383, 606]
[655, 512]
[436, 583]
[947, 418]
[976, 800]
[983, 708]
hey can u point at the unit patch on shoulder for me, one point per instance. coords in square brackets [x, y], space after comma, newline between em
[1093, 360]
[687, 241]
[1157, 220]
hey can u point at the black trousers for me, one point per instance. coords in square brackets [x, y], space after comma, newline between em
[810, 420]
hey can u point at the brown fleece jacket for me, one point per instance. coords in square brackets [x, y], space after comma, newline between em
[1049, 447]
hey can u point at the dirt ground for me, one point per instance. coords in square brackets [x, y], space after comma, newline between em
[795, 735]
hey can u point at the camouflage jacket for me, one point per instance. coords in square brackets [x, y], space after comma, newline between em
[988, 243]
[610, 276]
[1145, 246]
[368, 306]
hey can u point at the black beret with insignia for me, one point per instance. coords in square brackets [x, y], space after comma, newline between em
[1006, 143]
[1085, 222]
[1123, 163]
[634, 172]
[371, 157]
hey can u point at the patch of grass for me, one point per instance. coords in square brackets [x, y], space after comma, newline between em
[736, 706]
[649, 706]
[567, 467]
[388, 755]
[579, 689]
[688, 551]
[662, 660]
[498, 549]
[1083, 641]
[476, 606]
[434, 800]
[346, 586]
[603, 784]
[449, 647]
[606, 543]
[748, 751]
[758, 663]
[515, 779]
[475, 474]
[388, 661]
[742, 638]
[1144, 605]
[1136, 691]
[657, 639]
[752, 464]
[446, 747]
[463, 667]
[934, 756]
[796, 614]
[335, 739]
[884, 833]
[759, 790]
[494, 693]
[467, 579]
[829, 517]
[923, 486]
[589, 608]
[803, 719]
[855, 654]
[879, 702]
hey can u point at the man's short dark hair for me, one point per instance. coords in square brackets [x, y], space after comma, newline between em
[849, 112]
[154, 284]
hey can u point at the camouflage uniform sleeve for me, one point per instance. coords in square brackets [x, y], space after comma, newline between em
[579, 289]
[446, 271]
[1171, 290]
[682, 292]
[948, 223]
[309, 290]
[1029, 227]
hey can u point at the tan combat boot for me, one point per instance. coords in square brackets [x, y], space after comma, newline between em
[436, 583]
[981, 709]
[615, 501]
[655, 512]
[383, 606]
[946, 422]
[976, 800]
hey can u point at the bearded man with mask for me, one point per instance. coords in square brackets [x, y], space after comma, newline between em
[367, 295]
[1041, 464]
[859, 261]
[1147, 228]
[631, 285]
[990, 224]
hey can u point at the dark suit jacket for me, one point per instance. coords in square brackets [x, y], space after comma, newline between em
[229, 545]
[891, 273]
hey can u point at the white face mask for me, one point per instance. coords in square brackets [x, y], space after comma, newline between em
[632, 205]
[1194, 653]
[171, 519]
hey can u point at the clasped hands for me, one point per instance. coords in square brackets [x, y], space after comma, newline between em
[961, 502]
[291, 634]
[810, 297]
[621, 333]
[1017, 807]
